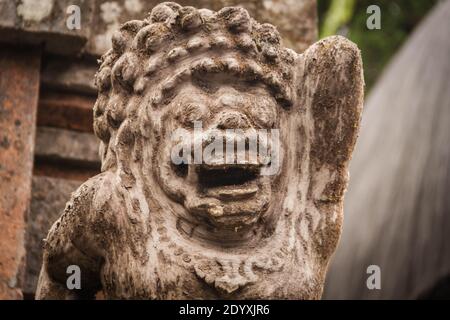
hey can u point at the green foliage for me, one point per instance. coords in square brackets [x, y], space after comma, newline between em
[398, 19]
[338, 14]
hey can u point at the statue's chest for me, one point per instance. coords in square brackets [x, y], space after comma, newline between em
[154, 275]
[178, 275]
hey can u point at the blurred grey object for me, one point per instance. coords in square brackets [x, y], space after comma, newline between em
[397, 208]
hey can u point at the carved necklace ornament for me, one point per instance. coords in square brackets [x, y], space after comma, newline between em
[148, 228]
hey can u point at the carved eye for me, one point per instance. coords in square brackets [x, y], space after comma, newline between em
[188, 113]
[264, 112]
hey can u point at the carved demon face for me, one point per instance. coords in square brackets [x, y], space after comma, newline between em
[232, 188]
[227, 151]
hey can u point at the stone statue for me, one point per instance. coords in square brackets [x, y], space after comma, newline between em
[149, 228]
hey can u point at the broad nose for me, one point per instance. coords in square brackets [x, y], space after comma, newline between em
[233, 120]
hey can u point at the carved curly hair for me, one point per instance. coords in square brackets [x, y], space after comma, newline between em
[168, 47]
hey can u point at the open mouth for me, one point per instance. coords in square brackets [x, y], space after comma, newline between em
[228, 182]
[228, 195]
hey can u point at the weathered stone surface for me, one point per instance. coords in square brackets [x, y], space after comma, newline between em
[70, 146]
[295, 19]
[66, 111]
[148, 227]
[73, 75]
[48, 199]
[44, 21]
[19, 88]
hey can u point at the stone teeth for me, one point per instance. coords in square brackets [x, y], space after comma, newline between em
[233, 192]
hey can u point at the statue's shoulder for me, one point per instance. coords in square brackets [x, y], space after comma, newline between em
[73, 239]
[81, 210]
[74, 233]
[91, 194]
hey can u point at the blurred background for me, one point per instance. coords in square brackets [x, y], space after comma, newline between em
[348, 18]
[396, 208]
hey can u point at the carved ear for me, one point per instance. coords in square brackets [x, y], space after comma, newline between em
[331, 89]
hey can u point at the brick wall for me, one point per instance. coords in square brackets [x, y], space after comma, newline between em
[66, 153]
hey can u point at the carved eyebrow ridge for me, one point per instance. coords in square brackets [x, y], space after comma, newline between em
[244, 69]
